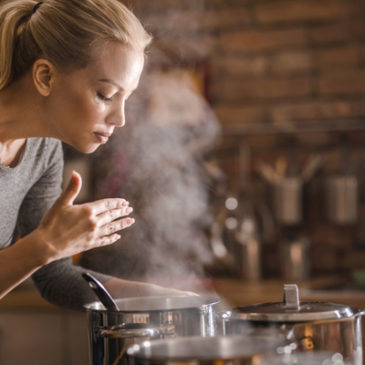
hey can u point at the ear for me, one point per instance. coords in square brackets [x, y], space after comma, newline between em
[43, 76]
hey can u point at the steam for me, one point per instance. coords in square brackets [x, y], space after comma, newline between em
[157, 162]
[175, 38]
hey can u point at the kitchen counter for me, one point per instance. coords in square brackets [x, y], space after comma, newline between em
[26, 296]
[237, 292]
[24, 308]
[232, 291]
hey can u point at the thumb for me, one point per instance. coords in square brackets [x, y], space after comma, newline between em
[72, 190]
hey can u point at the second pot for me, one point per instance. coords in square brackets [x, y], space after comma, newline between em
[314, 326]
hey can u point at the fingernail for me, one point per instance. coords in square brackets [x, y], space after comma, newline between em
[130, 220]
[129, 210]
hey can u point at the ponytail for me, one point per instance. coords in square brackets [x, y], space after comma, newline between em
[66, 32]
[13, 16]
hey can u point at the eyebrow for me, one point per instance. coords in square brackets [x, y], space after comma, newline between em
[111, 82]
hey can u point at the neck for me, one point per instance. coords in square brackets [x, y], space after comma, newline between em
[20, 112]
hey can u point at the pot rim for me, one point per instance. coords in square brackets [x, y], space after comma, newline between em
[139, 305]
[308, 311]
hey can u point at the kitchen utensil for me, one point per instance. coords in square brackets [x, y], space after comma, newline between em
[145, 318]
[315, 326]
[100, 292]
[202, 350]
[341, 198]
[312, 166]
[269, 173]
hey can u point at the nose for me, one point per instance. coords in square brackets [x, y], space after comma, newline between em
[120, 122]
[117, 117]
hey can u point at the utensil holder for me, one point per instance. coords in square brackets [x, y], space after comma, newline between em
[341, 199]
[288, 200]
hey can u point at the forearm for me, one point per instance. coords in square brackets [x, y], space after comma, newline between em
[18, 262]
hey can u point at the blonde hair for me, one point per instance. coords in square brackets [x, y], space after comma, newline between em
[63, 31]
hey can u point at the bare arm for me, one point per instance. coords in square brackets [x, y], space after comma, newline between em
[65, 230]
[18, 262]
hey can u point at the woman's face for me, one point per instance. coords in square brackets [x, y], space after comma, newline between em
[87, 104]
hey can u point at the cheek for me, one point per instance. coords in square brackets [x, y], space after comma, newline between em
[83, 108]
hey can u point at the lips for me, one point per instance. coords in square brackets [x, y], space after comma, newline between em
[102, 137]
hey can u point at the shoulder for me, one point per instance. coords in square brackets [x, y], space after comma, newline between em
[46, 150]
[44, 144]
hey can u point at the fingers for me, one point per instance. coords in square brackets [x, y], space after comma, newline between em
[108, 240]
[113, 214]
[107, 232]
[104, 205]
[115, 226]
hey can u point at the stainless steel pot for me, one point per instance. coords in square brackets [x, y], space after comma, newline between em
[229, 350]
[305, 358]
[199, 350]
[143, 318]
[314, 326]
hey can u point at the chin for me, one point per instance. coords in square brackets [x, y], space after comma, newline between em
[87, 149]
[90, 149]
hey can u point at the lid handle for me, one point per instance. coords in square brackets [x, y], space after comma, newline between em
[291, 296]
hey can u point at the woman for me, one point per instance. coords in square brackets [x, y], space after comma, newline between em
[67, 68]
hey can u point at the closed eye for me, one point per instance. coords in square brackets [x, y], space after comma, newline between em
[102, 97]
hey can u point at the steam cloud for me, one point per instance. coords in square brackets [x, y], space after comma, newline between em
[157, 162]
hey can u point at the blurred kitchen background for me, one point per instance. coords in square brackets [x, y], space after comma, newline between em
[243, 151]
[243, 156]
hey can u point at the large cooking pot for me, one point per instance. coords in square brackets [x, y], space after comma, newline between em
[204, 350]
[314, 326]
[144, 318]
[228, 350]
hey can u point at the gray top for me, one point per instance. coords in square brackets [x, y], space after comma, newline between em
[27, 191]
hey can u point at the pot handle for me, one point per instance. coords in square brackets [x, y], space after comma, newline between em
[136, 330]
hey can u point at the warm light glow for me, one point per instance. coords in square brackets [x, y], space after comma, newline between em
[231, 223]
[231, 203]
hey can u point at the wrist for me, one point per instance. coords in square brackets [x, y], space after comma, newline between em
[41, 250]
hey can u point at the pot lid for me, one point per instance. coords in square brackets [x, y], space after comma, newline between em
[292, 310]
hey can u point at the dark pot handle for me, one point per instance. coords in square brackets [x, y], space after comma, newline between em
[100, 292]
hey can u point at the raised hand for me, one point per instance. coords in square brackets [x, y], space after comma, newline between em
[70, 228]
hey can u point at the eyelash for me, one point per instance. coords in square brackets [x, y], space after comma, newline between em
[104, 98]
